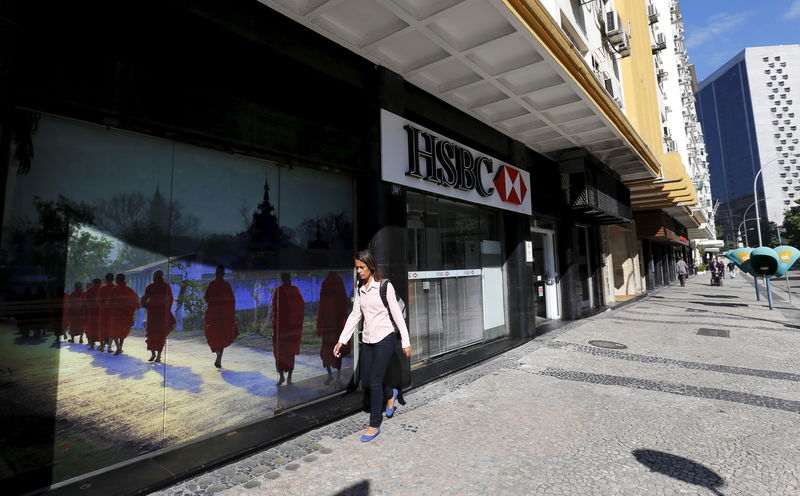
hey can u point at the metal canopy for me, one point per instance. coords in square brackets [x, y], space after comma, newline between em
[479, 56]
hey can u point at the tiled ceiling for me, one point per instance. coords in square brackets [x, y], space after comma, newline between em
[479, 57]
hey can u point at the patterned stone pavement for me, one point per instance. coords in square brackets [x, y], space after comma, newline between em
[674, 412]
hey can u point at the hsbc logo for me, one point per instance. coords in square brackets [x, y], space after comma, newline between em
[510, 185]
[414, 156]
[443, 162]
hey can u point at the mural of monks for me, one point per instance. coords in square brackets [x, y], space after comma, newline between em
[56, 313]
[220, 328]
[288, 310]
[157, 300]
[75, 313]
[124, 303]
[331, 316]
[104, 314]
[92, 313]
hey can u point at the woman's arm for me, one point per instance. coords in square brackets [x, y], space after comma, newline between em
[352, 322]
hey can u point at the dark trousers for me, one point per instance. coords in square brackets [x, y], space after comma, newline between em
[374, 361]
[682, 278]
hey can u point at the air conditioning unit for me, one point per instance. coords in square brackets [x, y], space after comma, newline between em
[615, 90]
[623, 47]
[662, 74]
[667, 109]
[652, 13]
[601, 75]
[614, 29]
[660, 43]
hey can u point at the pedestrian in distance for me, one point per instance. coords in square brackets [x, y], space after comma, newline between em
[715, 267]
[378, 338]
[732, 269]
[683, 270]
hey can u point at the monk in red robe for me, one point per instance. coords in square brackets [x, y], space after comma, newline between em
[124, 303]
[104, 314]
[91, 313]
[220, 327]
[288, 310]
[331, 316]
[61, 322]
[157, 300]
[75, 313]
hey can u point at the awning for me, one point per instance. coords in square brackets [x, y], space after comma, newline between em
[507, 63]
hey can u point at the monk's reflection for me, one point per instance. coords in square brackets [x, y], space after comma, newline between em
[157, 300]
[104, 314]
[288, 308]
[91, 311]
[76, 314]
[331, 316]
[220, 328]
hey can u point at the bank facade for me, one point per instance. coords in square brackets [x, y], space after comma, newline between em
[483, 165]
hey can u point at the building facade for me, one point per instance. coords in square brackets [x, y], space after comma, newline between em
[491, 154]
[665, 208]
[749, 116]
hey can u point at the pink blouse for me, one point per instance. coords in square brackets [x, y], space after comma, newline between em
[377, 325]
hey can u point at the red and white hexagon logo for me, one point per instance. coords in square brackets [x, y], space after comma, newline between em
[510, 186]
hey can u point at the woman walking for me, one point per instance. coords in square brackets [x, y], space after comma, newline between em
[379, 338]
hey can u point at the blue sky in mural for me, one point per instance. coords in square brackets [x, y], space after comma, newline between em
[716, 30]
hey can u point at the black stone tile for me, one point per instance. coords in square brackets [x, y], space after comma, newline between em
[673, 388]
[711, 367]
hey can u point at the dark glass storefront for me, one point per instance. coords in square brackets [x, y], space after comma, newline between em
[99, 200]
[148, 153]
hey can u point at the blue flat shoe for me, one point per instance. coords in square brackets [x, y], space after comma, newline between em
[390, 411]
[366, 439]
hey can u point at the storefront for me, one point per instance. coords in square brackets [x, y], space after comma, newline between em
[663, 241]
[146, 154]
[456, 257]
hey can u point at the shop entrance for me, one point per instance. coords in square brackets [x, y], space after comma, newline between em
[456, 291]
[545, 275]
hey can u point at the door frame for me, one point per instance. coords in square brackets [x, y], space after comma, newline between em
[590, 279]
[552, 284]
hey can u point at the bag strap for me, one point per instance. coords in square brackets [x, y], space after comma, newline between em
[385, 299]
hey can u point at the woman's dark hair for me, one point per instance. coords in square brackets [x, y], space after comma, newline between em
[368, 259]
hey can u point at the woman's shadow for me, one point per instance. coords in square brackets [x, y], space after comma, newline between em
[680, 468]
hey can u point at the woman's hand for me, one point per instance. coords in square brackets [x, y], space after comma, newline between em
[336, 349]
[406, 350]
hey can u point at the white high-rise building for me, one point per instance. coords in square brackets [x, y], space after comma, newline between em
[749, 109]
[681, 128]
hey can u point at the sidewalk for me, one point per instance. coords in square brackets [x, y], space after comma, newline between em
[684, 409]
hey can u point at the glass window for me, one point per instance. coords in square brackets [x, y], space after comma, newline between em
[206, 349]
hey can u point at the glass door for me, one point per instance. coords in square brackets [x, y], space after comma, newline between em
[545, 275]
[455, 280]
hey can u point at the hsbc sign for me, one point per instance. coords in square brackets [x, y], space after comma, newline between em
[414, 156]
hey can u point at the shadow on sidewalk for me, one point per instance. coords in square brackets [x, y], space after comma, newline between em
[680, 468]
[360, 489]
